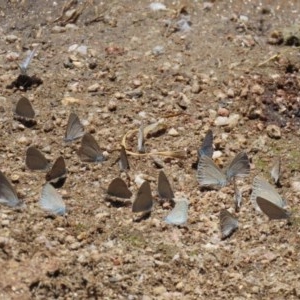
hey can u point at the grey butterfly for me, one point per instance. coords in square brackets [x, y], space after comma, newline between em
[179, 214]
[207, 145]
[262, 188]
[276, 170]
[25, 64]
[209, 174]
[228, 224]
[164, 187]
[8, 194]
[141, 140]
[123, 161]
[143, 201]
[24, 112]
[75, 129]
[89, 150]
[35, 160]
[58, 174]
[118, 188]
[272, 210]
[51, 201]
[239, 167]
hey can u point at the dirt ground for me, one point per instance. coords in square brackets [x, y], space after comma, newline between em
[186, 66]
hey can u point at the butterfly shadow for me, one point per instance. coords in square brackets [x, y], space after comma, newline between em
[117, 202]
[142, 217]
[25, 82]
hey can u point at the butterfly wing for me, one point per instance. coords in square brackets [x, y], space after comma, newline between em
[143, 201]
[207, 145]
[272, 210]
[262, 188]
[35, 160]
[57, 175]
[228, 223]
[51, 201]
[239, 167]
[24, 108]
[8, 195]
[275, 171]
[90, 150]
[123, 161]
[118, 188]
[209, 174]
[74, 129]
[141, 140]
[164, 187]
[179, 214]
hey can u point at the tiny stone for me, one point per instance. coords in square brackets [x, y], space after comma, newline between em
[233, 120]
[173, 132]
[11, 38]
[159, 290]
[94, 87]
[112, 105]
[257, 89]
[137, 82]
[58, 29]
[273, 131]
[15, 178]
[179, 286]
[221, 121]
[23, 140]
[72, 27]
[196, 88]
[230, 93]
[223, 112]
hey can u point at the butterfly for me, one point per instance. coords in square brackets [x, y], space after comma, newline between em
[51, 201]
[228, 224]
[24, 112]
[58, 174]
[89, 150]
[179, 214]
[261, 188]
[75, 129]
[207, 145]
[143, 201]
[118, 188]
[8, 194]
[25, 64]
[276, 171]
[35, 160]
[272, 210]
[209, 174]
[164, 187]
[141, 140]
[123, 161]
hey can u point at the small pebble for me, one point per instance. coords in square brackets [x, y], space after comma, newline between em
[173, 132]
[257, 89]
[94, 87]
[58, 29]
[223, 112]
[273, 131]
[11, 38]
[157, 6]
[221, 121]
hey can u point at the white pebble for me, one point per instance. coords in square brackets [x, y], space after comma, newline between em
[157, 6]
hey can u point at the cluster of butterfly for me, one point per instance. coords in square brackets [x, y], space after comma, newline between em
[264, 197]
[89, 151]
